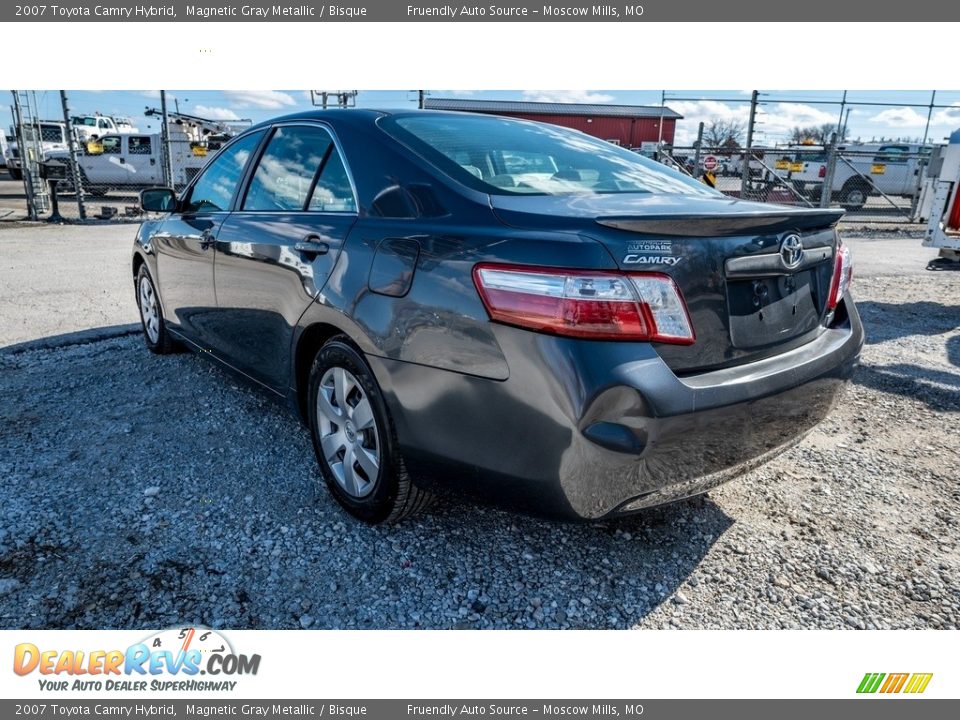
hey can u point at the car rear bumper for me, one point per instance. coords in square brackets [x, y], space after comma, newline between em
[589, 429]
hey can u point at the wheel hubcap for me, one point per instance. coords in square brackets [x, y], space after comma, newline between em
[349, 437]
[148, 309]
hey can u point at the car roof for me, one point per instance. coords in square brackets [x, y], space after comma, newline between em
[361, 116]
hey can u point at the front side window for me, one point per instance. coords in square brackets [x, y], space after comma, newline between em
[513, 157]
[111, 145]
[216, 186]
[286, 171]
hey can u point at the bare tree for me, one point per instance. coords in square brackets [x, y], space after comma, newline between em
[815, 134]
[726, 134]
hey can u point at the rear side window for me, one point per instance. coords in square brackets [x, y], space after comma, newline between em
[333, 192]
[286, 172]
[214, 190]
[139, 144]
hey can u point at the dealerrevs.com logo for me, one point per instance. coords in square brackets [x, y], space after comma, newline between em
[170, 660]
[893, 683]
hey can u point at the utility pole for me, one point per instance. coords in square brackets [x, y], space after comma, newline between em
[826, 190]
[926, 130]
[748, 151]
[663, 102]
[840, 119]
[165, 141]
[696, 153]
[74, 163]
[421, 96]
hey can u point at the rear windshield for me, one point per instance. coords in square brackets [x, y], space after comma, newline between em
[514, 157]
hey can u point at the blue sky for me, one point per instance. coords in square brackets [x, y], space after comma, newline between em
[781, 109]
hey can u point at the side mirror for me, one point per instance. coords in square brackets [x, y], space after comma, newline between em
[159, 199]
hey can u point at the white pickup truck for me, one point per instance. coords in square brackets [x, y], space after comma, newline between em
[130, 162]
[862, 170]
[91, 127]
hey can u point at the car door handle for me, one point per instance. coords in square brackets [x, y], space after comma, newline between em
[312, 245]
[206, 239]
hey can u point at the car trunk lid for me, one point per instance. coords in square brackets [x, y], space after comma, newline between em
[750, 289]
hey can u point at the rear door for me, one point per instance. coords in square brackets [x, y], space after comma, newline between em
[891, 170]
[184, 242]
[141, 159]
[276, 251]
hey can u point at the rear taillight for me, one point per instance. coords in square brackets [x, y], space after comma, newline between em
[842, 275]
[823, 171]
[593, 304]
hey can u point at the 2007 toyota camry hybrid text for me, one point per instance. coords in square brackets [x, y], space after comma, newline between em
[503, 308]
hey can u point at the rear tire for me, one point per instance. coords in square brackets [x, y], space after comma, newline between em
[155, 333]
[854, 195]
[354, 438]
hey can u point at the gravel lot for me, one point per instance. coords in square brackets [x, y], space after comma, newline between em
[143, 492]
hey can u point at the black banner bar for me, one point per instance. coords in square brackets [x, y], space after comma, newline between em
[738, 11]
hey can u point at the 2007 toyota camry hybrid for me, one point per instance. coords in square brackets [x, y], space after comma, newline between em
[504, 308]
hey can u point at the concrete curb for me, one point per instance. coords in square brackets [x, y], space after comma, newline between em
[82, 337]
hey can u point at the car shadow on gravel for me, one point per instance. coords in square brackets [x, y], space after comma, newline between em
[146, 492]
[885, 321]
[938, 389]
[509, 571]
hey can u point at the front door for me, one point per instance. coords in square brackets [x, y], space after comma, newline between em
[276, 251]
[184, 243]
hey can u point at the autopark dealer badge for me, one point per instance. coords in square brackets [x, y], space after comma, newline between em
[652, 252]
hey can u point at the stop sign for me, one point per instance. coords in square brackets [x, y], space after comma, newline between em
[710, 163]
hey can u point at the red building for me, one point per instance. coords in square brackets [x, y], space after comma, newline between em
[626, 125]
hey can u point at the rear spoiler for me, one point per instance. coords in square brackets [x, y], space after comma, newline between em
[726, 224]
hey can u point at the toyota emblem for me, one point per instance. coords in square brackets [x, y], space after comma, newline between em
[791, 251]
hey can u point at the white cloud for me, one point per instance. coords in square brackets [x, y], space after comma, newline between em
[779, 119]
[215, 113]
[947, 116]
[902, 117]
[154, 94]
[774, 121]
[566, 96]
[263, 99]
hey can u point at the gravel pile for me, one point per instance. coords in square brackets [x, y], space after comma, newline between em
[143, 492]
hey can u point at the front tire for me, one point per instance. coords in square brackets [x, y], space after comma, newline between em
[354, 438]
[155, 333]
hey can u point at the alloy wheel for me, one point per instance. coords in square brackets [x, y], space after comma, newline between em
[349, 437]
[149, 310]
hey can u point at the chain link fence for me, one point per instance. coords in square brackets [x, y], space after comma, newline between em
[750, 151]
[84, 167]
[872, 182]
[75, 166]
